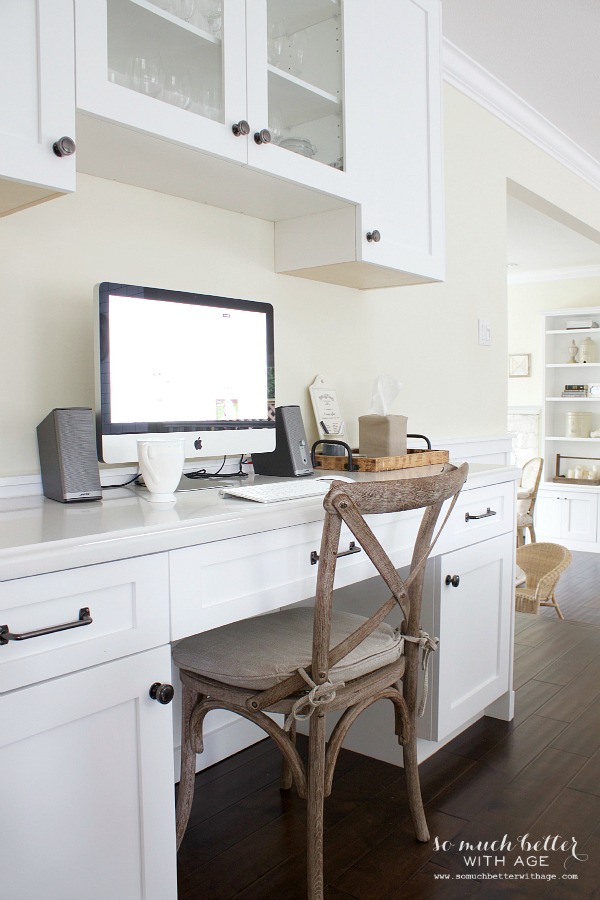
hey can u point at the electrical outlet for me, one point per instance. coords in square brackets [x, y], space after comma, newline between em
[485, 332]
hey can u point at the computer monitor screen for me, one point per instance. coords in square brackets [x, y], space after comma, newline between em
[176, 363]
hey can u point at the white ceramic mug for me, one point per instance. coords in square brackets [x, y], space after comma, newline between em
[161, 464]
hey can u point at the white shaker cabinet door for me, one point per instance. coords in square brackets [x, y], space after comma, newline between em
[37, 101]
[86, 778]
[473, 612]
[393, 108]
[393, 157]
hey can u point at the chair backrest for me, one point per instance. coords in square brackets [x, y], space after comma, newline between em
[543, 564]
[530, 482]
[349, 503]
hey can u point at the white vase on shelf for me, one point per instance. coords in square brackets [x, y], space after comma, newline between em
[573, 351]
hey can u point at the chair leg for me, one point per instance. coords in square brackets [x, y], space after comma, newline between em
[413, 787]
[316, 796]
[531, 534]
[185, 794]
[286, 770]
[554, 603]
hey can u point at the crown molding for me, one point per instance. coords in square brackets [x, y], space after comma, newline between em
[467, 76]
[563, 274]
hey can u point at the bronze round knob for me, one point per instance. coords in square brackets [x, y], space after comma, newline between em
[373, 237]
[64, 146]
[453, 580]
[262, 137]
[164, 693]
[241, 128]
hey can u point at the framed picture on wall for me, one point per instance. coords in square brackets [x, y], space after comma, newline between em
[519, 365]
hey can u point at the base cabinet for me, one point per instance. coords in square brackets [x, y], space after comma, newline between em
[473, 612]
[568, 518]
[78, 753]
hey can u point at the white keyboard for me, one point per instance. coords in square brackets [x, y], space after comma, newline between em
[279, 490]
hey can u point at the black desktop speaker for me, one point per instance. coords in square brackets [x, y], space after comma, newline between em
[291, 455]
[68, 458]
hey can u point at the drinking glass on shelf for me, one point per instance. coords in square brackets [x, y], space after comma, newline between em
[276, 124]
[183, 9]
[277, 43]
[177, 89]
[146, 73]
[210, 103]
[209, 16]
[298, 50]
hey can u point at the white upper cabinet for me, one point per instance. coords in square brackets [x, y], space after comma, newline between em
[37, 102]
[241, 82]
[393, 153]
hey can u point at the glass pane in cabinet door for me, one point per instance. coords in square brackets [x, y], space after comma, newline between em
[170, 51]
[305, 78]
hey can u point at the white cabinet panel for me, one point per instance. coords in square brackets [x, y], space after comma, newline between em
[37, 101]
[393, 154]
[571, 517]
[128, 602]
[86, 776]
[472, 663]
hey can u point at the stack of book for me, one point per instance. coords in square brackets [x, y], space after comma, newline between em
[581, 323]
[575, 390]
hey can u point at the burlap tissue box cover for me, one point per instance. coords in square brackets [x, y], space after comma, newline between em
[382, 435]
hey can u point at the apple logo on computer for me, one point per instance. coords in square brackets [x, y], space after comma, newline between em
[198, 443]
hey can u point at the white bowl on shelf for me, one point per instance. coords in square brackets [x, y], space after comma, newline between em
[299, 145]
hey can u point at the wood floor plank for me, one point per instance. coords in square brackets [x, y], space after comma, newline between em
[381, 874]
[588, 779]
[582, 736]
[531, 696]
[576, 696]
[523, 745]
[570, 665]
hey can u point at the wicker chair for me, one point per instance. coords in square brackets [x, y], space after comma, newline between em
[305, 662]
[526, 497]
[543, 564]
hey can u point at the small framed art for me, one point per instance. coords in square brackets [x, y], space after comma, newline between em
[519, 365]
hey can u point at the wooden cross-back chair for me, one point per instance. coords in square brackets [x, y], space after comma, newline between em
[305, 662]
[527, 491]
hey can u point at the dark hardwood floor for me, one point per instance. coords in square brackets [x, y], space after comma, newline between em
[538, 776]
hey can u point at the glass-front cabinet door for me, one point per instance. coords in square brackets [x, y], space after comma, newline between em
[295, 86]
[258, 82]
[173, 68]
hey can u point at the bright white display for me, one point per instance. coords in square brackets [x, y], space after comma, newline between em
[157, 346]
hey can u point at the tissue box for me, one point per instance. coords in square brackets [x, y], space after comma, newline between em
[382, 435]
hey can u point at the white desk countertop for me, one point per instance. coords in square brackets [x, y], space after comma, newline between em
[38, 535]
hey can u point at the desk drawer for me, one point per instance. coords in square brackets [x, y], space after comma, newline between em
[479, 514]
[214, 584]
[128, 603]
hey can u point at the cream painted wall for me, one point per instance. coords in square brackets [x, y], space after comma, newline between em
[426, 336]
[526, 303]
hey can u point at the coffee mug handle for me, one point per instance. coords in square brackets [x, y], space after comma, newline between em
[146, 456]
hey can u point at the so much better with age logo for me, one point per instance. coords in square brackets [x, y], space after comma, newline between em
[547, 858]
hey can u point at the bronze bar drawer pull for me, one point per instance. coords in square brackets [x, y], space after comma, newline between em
[84, 619]
[485, 515]
[352, 548]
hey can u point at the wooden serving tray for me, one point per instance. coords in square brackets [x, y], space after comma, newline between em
[562, 479]
[384, 463]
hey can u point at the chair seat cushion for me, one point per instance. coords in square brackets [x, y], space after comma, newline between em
[260, 652]
[524, 520]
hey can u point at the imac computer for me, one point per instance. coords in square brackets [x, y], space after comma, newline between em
[171, 363]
